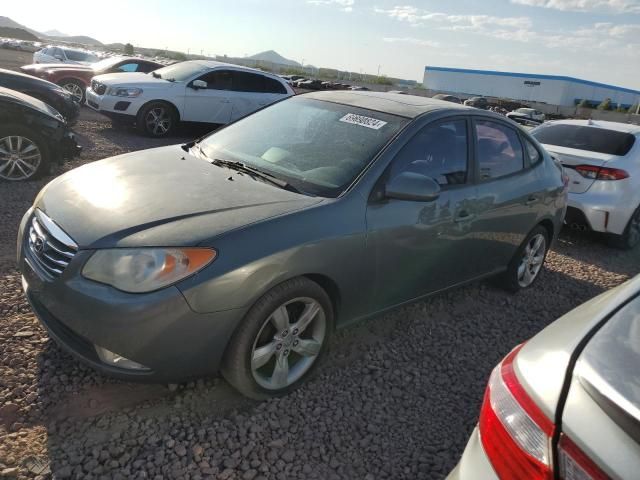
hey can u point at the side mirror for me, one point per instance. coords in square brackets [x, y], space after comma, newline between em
[412, 186]
[198, 84]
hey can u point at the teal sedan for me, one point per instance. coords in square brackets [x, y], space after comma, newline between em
[243, 251]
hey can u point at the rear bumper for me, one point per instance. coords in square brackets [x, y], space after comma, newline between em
[474, 464]
[604, 211]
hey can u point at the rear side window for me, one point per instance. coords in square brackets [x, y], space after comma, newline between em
[271, 85]
[498, 150]
[592, 139]
[437, 151]
[146, 67]
[247, 82]
[77, 56]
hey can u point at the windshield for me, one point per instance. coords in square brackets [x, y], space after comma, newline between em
[106, 63]
[592, 139]
[180, 72]
[524, 110]
[317, 147]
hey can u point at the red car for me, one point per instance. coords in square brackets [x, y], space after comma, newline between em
[76, 78]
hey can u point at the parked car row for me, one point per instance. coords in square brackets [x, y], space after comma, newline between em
[299, 81]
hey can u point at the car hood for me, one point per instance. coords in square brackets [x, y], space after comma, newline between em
[137, 79]
[20, 98]
[162, 196]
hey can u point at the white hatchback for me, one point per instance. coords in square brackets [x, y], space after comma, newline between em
[64, 55]
[602, 160]
[192, 91]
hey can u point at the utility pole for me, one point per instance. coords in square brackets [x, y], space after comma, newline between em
[378, 70]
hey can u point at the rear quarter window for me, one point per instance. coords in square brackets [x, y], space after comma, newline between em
[592, 139]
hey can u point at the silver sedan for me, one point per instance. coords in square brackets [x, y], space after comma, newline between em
[566, 404]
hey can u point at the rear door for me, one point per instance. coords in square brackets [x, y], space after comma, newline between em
[510, 192]
[211, 104]
[421, 247]
[252, 91]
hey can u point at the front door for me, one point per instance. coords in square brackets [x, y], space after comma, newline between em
[211, 104]
[420, 247]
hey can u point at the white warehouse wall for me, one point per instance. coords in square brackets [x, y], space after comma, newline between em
[554, 90]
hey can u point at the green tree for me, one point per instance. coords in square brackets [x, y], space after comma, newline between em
[584, 104]
[605, 105]
[128, 49]
[621, 109]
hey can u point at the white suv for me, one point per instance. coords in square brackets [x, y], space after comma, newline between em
[602, 160]
[193, 91]
[64, 55]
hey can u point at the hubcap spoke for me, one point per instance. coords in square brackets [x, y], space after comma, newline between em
[280, 372]
[308, 348]
[263, 354]
[280, 318]
[309, 313]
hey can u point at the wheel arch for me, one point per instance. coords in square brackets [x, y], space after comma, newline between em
[173, 106]
[549, 227]
[332, 289]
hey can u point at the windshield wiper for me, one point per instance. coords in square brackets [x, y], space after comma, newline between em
[241, 167]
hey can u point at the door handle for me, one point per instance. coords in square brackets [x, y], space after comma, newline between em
[464, 217]
[531, 200]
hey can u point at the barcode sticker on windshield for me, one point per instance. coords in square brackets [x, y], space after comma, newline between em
[363, 121]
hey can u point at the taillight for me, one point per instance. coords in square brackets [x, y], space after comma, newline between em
[575, 464]
[515, 434]
[601, 173]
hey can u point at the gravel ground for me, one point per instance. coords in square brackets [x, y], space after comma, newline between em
[397, 397]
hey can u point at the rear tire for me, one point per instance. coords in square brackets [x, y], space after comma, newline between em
[281, 340]
[157, 119]
[28, 154]
[526, 265]
[631, 235]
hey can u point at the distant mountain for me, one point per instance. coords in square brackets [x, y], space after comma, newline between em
[8, 23]
[19, 33]
[55, 33]
[274, 57]
[83, 39]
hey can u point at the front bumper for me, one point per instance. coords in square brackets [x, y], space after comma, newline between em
[158, 329]
[117, 108]
[474, 464]
[604, 210]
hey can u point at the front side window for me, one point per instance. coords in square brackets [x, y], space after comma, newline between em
[498, 150]
[217, 80]
[128, 67]
[437, 151]
[318, 147]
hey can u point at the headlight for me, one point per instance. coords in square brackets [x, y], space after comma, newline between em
[129, 92]
[138, 270]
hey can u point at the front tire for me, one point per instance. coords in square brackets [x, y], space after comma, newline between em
[75, 88]
[156, 119]
[631, 235]
[281, 340]
[525, 266]
[24, 154]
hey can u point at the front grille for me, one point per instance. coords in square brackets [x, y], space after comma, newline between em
[49, 247]
[98, 87]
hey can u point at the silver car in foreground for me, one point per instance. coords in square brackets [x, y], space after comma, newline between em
[566, 404]
[602, 160]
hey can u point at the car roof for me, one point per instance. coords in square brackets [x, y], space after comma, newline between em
[617, 126]
[409, 106]
[214, 64]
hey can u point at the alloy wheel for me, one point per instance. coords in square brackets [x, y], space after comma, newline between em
[158, 121]
[532, 259]
[20, 158]
[75, 90]
[288, 343]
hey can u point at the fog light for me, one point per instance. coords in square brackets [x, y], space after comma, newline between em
[116, 360]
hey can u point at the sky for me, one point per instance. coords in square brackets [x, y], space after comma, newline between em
[596, 40]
